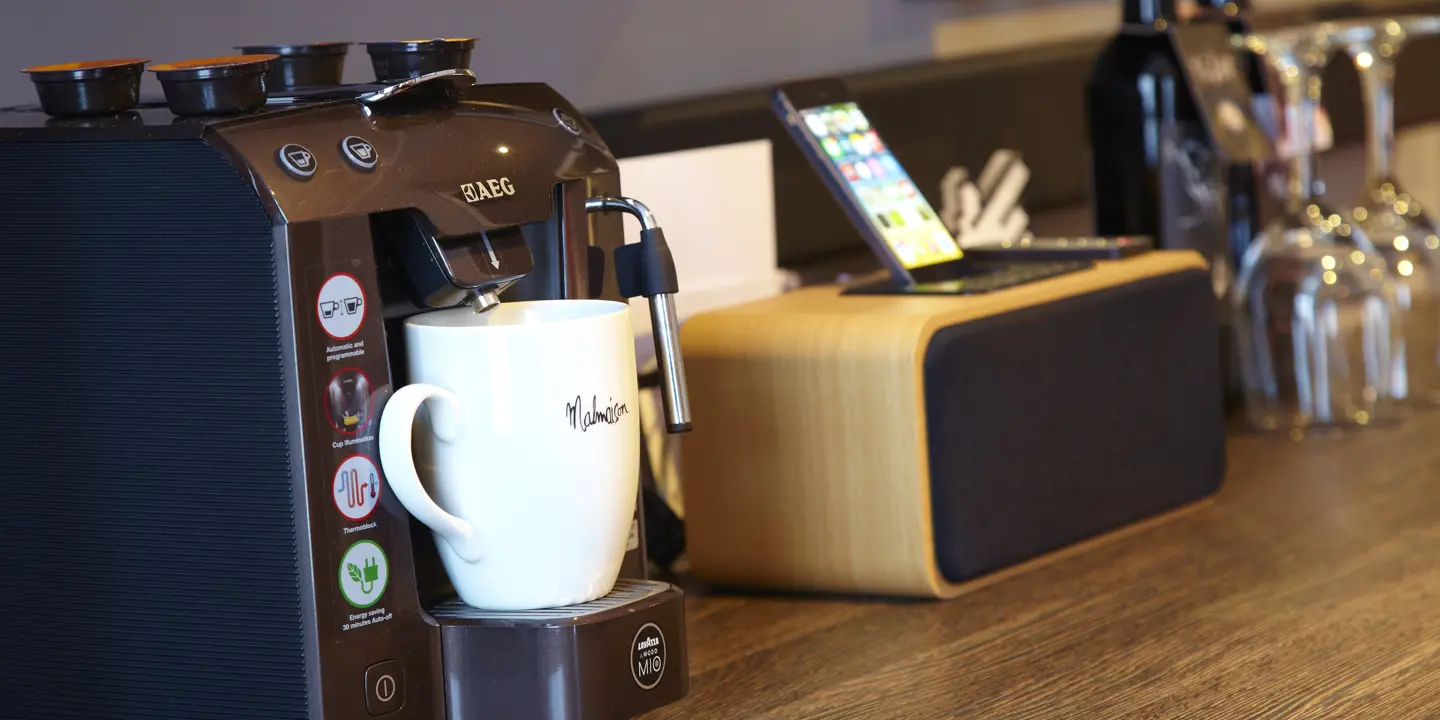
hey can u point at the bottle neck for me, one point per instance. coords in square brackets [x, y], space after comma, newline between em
[1240, 5]
[1232, 12]
[1146, 12]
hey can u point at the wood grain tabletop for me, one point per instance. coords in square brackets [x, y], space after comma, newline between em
[1309, 587]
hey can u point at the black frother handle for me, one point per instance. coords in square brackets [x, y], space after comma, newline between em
[646, 268]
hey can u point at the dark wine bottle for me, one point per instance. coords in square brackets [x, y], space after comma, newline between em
[1155, 170]
[1127, 130]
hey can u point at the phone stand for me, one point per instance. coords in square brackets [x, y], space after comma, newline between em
[962, 278]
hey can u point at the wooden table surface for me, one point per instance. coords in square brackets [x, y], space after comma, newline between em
[1309, 587]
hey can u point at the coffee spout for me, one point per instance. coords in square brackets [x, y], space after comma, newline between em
[484, 301]
[646, 268]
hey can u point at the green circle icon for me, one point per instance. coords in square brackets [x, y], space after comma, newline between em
[364, 572]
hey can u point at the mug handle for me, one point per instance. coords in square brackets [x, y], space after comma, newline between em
[397, 424]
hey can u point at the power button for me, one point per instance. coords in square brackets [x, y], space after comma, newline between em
[384, 687]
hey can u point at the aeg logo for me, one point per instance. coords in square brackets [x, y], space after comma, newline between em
[487, 189]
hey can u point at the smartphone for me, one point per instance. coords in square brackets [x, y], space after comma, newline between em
[1032, 249]
[873, 188]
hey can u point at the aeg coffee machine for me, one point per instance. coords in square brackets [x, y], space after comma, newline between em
[192, 527]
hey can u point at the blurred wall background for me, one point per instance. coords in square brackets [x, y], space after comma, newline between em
[600, 53]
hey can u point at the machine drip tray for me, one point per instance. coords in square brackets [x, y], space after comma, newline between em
[613, 658]
[624, 593]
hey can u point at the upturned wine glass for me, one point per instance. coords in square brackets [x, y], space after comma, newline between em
[1393, 220]
[1313, 311]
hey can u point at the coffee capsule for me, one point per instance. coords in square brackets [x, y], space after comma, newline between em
[405, 59]
[87, 89]
[301, 66]
[214, 86]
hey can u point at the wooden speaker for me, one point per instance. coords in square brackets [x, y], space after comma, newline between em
[903, 445]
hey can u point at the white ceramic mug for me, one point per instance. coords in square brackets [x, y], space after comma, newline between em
[528, 442]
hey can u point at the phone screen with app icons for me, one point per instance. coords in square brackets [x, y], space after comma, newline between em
[890, 200]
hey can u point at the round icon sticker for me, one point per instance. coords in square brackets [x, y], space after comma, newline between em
[357, 487]
[647, 656]
[347, 401]
[341, 306]
[364, 571]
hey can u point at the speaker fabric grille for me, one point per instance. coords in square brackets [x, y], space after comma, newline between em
[1120, 392]
[147, 553]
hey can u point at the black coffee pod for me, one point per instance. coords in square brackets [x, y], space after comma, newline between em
[405, 59]
[302, 66]
[214, 86]
[87, 89]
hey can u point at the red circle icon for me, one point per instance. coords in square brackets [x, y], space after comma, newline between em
[357, 488]
[349, 400]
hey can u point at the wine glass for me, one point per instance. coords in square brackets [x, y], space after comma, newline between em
[1390, 218]
[1313, 314]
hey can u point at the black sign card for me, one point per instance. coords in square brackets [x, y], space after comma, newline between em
[1220, 86]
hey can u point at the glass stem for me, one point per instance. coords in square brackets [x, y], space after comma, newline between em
[1377, 81]
[1300, 125]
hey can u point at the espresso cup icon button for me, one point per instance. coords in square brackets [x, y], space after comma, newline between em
[297, 161]
[359, 153]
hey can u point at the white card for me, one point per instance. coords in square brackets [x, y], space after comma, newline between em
[717, 207]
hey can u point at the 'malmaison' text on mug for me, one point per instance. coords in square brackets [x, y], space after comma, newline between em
[582, 419]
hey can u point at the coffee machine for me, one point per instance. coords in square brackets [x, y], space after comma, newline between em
[253, 268]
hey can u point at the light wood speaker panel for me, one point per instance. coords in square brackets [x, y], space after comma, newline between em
[808, 465]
